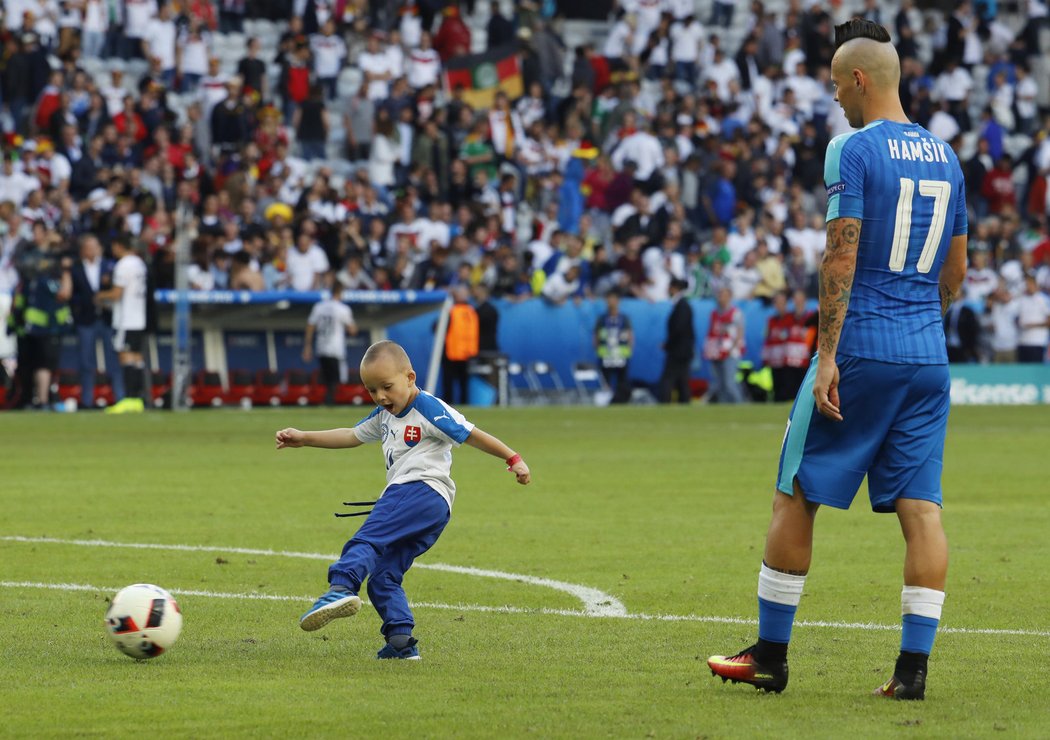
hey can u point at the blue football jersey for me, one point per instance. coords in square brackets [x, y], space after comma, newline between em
[906, 187]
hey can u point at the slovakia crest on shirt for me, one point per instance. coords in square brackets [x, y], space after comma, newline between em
[413, 435]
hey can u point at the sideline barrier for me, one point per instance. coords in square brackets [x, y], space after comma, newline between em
[987, 385]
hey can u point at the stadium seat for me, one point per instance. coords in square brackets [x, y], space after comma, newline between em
[590, 384]
[206, 389]
[104, 395]
[353, 394]
[267, 388]
[521, 391]
[68, 382]
[241, 390]
[160, 389]
[546, 383]
[297, 388]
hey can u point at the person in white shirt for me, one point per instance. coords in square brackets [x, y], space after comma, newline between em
[1033, 318]
[159, 43]
[1026, 94]
[137, 15]
[721, 70]
[329, 322]
[95, 25]
[375, 63]
[643, 149]
[687, 40]
[1003, 314]
[417, 432]
[15, 184]
[329, 51]
[981, 280]
[195, 45]
[307, 264]
[424, 64]
[129, 298]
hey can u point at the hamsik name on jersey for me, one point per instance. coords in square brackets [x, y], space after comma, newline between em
[418, 442]
[923, 150]
[906, 187]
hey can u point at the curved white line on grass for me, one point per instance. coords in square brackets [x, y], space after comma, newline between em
[864, 626]
[595, 602]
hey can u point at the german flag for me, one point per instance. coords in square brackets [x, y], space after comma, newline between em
[483, 75]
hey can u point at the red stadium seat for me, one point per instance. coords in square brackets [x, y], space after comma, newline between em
[68, 382]
[206, 389]
[298, 390]
[241, 390]
[267, 388]
[352, 393]
[104, 395]
[160, 387]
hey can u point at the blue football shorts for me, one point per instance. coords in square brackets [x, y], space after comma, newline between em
[894, 421]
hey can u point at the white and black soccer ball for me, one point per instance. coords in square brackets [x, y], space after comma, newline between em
[143, 621]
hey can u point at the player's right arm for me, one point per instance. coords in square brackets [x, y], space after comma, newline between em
[329, 439]
[835, 286]
[953, 271]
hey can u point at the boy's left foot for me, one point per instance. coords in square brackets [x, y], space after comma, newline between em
[332, 605]
[409, 652]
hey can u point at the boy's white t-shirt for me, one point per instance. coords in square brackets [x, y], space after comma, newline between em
[418, 442]
[330, 319]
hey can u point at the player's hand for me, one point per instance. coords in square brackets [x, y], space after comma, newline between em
[826, 389]
[307, 354]
[521, 470]
[290, 438]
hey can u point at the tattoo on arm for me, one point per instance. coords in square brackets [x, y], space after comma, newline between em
[836, 281]
[947, 298]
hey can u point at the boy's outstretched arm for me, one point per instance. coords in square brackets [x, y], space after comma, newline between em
[487, 443]
[330, 439]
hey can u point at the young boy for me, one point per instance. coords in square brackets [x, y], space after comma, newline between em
[417, 431]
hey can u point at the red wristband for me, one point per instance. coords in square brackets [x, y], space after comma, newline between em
[513, 460]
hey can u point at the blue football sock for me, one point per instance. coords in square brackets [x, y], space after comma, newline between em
[917, 633]
[775, 620]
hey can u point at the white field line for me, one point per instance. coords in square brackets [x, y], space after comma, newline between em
[595, 603]
[696, 618]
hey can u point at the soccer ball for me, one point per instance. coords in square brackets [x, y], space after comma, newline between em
[143, 621]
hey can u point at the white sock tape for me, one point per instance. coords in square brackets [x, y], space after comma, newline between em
[922, 602]
[778, 587]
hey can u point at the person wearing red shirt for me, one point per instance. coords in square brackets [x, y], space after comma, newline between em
[998, 186]
[453, 36]
[129, 122]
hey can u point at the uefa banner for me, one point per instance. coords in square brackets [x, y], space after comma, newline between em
[1000, 385]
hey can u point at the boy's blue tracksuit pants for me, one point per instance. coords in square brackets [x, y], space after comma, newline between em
[404, 524]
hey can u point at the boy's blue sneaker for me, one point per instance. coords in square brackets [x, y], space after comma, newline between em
[409, 652]
[332, 605]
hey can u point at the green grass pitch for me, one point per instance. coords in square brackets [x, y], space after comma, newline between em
[662, 509]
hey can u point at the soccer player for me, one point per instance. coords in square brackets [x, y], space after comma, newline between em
[330, 321]
[894, 262]
[129, 297]
[417, 432]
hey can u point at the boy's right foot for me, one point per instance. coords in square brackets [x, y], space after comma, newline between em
[897, 689]
[743, 668]
[332, 605]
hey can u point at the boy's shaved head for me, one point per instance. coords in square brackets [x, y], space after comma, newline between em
[387, 349]
[878, 60]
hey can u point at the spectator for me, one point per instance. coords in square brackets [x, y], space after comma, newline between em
[1033, 317]
[307, 264]
[1003, 310]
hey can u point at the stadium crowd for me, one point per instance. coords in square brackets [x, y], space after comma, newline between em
[315, 141]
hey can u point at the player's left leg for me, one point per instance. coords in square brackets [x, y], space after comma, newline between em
[905, 478]
[925, 573]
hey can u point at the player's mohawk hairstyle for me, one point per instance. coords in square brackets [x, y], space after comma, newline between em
[860, 28]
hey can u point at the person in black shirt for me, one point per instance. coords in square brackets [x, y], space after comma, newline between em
[253, 70]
